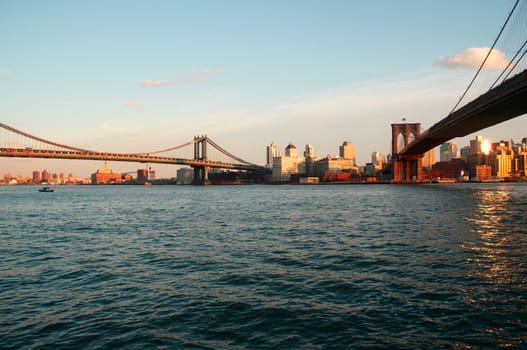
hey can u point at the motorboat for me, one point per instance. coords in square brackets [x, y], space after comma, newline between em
[46, 189]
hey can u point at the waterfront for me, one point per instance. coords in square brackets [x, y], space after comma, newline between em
[313, 267]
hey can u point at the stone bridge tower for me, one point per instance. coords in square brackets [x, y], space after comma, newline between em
[406, 168]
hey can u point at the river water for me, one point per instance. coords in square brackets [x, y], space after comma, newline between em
[264, 267]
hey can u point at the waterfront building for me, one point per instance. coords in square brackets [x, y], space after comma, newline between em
[347, 151]
[483, 172]
[105, 176]
[272, 152]
[503, 159]
[184, 176]
[450, 170]
[45, 176]
[520, 164]
[287, 165]
[331, 164]
[36, 177]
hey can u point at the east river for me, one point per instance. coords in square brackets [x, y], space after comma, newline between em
[264, 267]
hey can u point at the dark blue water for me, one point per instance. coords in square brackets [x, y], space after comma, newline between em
[264, 267]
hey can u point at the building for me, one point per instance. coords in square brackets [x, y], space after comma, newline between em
[145, 175]
[287, 165]
[483, 172]
[45, 176]
[105, 176]
[184, 176]
[476, 145]
[309, 152]
[448, 151]
[503, 160]
[429, 159]
[36, 177]
[347, 151]
[452, 169]
[377, 160]
[335, 165]
[272, 152]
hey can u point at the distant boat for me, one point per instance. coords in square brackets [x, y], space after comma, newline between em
[46, 189]
[148, 183]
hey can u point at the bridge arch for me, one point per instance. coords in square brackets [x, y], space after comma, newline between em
[405, 168]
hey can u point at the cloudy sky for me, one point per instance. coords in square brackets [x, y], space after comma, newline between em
[135, 76]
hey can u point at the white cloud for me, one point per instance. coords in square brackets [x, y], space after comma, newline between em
[473, 57]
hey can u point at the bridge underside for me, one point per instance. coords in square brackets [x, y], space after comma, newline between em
[500, 104]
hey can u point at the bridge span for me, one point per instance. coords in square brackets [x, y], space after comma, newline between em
[19, 144]
[504, 102]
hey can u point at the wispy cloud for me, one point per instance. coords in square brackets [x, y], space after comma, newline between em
[150, 83]
[197, 75]
[133, 104]
[473, 57]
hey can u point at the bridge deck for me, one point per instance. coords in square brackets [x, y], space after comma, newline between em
[120, 157]
[502, 103]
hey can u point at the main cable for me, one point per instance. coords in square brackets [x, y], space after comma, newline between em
[486, 57]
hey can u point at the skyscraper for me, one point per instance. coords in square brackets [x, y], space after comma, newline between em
[309, 151]
[377, 159]
[347, 151]
[272, 151]
[475, 145]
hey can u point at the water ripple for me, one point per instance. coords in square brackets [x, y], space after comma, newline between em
[264, 267]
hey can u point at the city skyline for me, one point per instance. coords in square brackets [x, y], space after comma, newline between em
[131, 167]
[148, 76]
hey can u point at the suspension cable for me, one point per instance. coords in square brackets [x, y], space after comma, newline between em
[227, 153]
[486, 57]
[25, 134]
[509, 64]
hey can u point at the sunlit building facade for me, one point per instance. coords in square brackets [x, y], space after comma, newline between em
[347, 151]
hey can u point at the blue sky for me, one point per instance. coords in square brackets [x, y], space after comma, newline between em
[133, 76]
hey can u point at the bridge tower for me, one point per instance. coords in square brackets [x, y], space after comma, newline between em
[406, 168]
[201, 173]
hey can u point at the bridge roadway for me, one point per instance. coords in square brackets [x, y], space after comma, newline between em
[121, 157]
[504, 102]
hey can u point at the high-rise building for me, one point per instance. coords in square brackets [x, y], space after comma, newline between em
[429, 159]
[285, 166]
[45, 176]
[36, 176]
[377, 159]
[448, 151]
[347, 151]
[475, 145]
[290, 150]
[309, 151]
[272, 152]
[465, 152]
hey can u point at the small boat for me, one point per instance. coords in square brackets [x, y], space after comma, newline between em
[46, 189]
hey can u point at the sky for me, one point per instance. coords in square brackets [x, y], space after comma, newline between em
[136, 76]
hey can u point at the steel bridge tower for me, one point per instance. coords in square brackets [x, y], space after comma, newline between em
[201, 173]
[406, 168]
